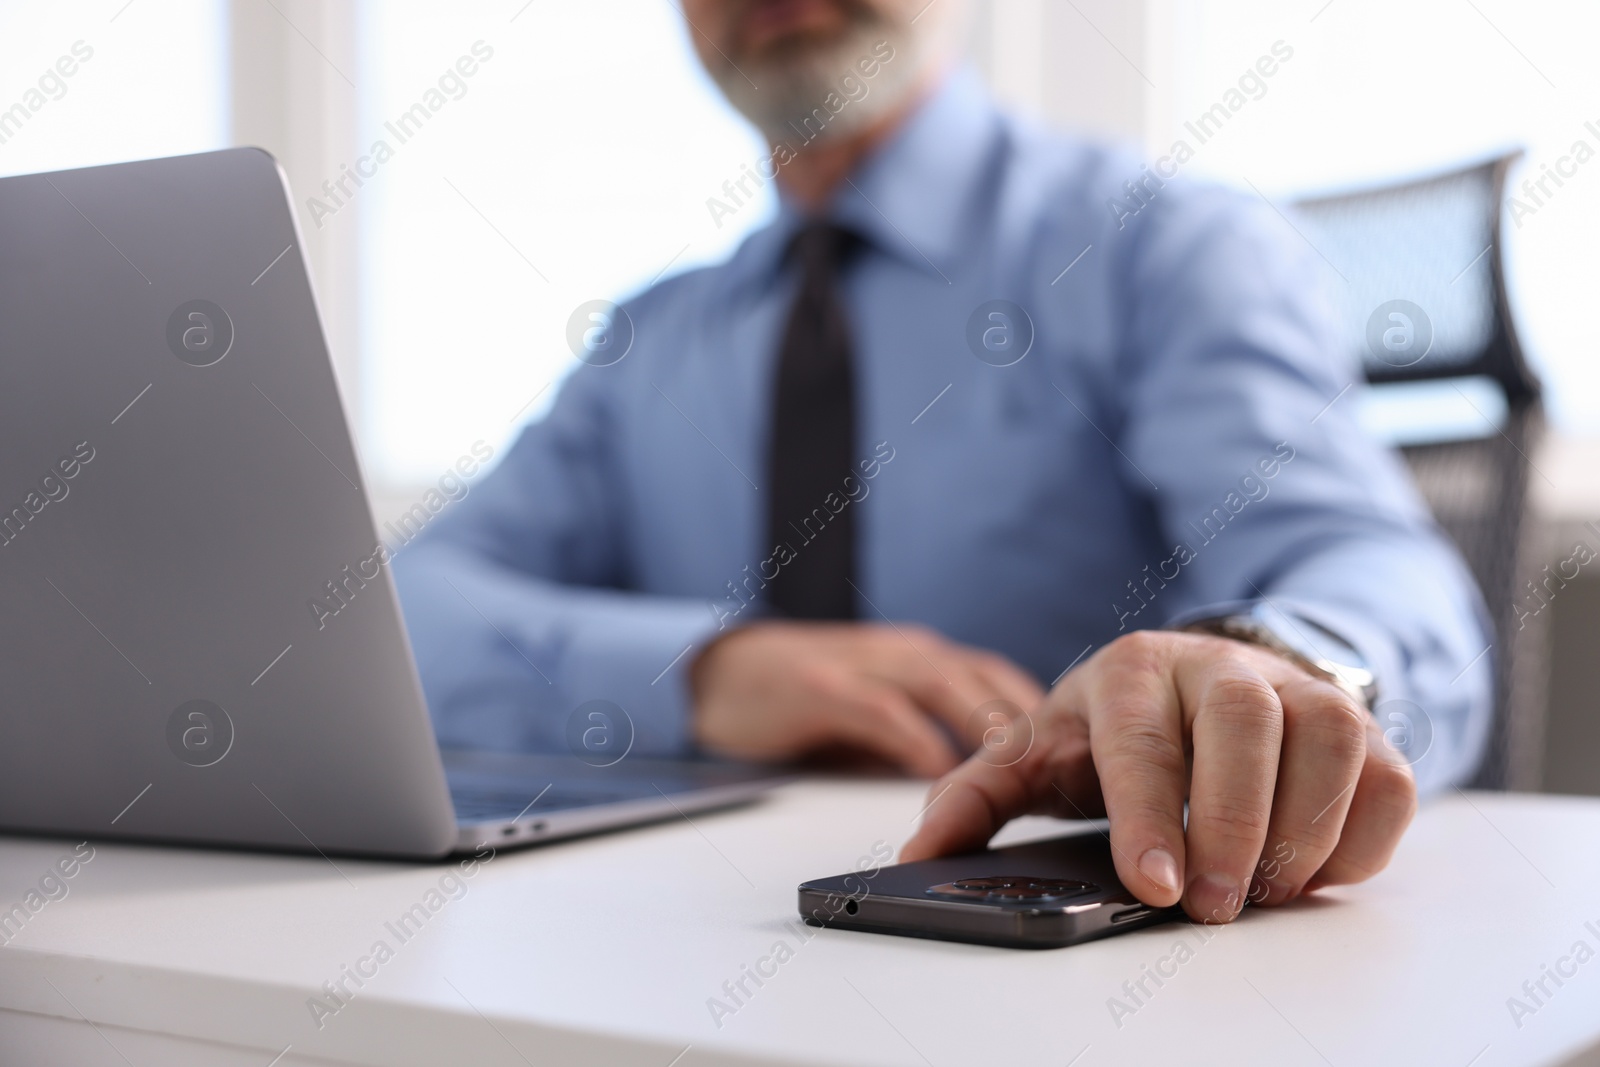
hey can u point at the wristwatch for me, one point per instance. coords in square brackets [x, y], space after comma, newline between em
[1313, 648]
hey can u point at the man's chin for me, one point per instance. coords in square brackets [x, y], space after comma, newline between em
[800, 78]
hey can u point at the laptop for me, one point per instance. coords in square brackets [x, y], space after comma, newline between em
[177, 484]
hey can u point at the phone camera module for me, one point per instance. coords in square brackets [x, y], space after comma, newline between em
[1012, 888]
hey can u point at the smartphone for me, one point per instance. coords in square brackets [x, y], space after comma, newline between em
[1044, 894]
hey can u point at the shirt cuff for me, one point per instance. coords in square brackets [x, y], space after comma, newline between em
[637, 656]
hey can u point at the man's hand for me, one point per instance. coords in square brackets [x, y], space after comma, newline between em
[779, 690]
[1289, 783]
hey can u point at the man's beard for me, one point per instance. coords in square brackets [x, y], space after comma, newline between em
[794, 83]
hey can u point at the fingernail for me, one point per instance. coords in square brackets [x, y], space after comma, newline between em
[1158, 865]
[1215, 898]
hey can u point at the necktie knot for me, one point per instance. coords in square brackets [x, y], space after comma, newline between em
[823, 247]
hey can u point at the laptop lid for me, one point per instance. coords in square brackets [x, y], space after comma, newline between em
[178, 495]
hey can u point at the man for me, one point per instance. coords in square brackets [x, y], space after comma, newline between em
[953, 426]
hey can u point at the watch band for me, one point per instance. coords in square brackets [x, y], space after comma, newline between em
[1353, 676]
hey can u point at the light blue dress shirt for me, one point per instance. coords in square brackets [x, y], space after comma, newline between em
[1174, 439]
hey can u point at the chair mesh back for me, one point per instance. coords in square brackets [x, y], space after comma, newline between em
[1436, 244]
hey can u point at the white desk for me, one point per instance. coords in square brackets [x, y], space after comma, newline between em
[607, 950]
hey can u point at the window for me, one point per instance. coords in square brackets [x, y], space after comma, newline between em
[1377, 90]
[82, 84]
[572, 163]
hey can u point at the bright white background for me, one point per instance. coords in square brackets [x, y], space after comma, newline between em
[156, 84]
[1385, 88]
[586, 148]
[576, 167]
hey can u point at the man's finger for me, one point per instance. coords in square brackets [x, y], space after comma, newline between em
[1007, 695]
[940, 678]
[1236, 731]
[883, 720]
[1324, 744]
[1135, 731]
[1384, 803]
[955, 696]
[1008, 681]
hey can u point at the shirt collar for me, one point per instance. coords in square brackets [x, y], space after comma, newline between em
[914, 196]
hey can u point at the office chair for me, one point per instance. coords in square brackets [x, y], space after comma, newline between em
[1434, 245]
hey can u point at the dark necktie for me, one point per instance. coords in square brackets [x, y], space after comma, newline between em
[813, 444]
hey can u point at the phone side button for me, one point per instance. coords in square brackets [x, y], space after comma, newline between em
[1128, 915]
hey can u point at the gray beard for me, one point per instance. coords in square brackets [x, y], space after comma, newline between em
[791, 103]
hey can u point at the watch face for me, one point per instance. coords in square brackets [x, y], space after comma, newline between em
[1317, 644]
[1302, 635]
